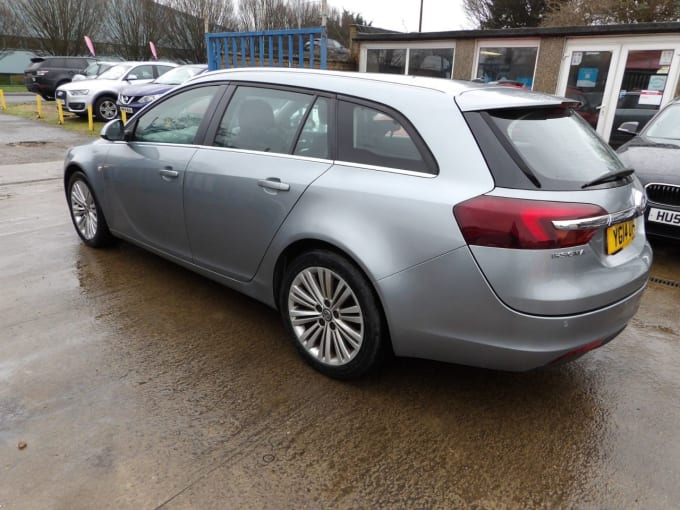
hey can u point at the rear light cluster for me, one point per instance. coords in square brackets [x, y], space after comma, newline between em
[522, 224]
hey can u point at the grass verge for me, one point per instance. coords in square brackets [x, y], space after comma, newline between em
[13, 88]
[72, 122]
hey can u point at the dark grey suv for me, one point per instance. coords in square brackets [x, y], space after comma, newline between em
[45, 74]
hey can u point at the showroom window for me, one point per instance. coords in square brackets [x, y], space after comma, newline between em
[420, 60]
[507, 63]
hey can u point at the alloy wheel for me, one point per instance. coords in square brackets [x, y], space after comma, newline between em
[326, 316]
[84, 210]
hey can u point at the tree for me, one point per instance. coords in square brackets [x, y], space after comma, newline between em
[191, 19]
[602, 12]
[132, 24]
[489, 14]
[60, 25]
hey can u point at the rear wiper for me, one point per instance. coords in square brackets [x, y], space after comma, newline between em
[610, 177]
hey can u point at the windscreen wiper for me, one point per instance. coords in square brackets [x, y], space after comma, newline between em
[610, 177]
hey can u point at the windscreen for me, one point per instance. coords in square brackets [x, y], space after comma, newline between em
[556, 145]
[115, 72]
[666, 125]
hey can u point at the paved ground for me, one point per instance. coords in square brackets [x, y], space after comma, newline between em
[137, 384]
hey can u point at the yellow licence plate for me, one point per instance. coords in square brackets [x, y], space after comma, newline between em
[619, 236]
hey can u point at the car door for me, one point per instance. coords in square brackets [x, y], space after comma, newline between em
[146, 174]
[238, 192]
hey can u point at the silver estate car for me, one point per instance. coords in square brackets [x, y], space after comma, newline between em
[454, 221]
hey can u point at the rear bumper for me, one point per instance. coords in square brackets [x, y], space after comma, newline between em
[445, 310]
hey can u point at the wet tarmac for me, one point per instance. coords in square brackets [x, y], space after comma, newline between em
[137, 384]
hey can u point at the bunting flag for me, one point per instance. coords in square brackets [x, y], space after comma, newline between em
[153, 50]
[89, 44]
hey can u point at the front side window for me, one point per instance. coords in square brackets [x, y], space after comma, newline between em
[262, 119]
[115, 73]
[373, 137]
[667, 125]
[141, 73]
[177, 119]
[499, 64]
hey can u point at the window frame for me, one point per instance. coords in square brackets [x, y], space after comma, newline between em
[425, 152]
[506, 43]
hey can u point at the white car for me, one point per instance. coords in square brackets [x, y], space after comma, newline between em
[102, 92]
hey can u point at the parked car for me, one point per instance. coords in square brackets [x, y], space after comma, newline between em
[334, 49]
[133, 98]
[629, 109]
[655, 155]
[487, 226]
[94, 70]
[45, 74]
[102, 91]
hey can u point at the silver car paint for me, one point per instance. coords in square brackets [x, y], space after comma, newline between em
[400, 229]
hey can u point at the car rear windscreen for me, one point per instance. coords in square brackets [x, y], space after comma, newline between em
[546, 148]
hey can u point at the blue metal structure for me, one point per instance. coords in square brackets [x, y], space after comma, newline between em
[273, 48]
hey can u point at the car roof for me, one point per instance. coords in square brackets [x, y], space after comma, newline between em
[469, 95]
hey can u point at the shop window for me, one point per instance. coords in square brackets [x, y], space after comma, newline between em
[390, 61]
[437, 62]
[499, 64]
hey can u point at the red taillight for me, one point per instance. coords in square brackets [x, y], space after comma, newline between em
[522, 224]
[577, 353]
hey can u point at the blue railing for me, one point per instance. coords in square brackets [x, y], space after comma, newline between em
[273, 48]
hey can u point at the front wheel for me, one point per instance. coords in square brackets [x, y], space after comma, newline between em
[105, 108]
[86, 214]
[333, 315]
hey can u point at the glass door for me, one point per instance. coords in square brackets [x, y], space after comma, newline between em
[586, 76]
[643, 84]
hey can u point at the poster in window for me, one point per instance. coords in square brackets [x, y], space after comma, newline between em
[587, 77]
[657, 82]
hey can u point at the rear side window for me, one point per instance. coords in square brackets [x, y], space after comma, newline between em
[547, 148]
[54, 63]
[263, 119]
[377, 137]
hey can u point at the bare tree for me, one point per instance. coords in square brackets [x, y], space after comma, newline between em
[265, 15]
[602, 12]
[191, 19]
[60, 25]
[505, 13]
[132, 24]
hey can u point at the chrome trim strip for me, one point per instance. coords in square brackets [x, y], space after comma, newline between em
[607, 220]
[661, 184]
[412, 173]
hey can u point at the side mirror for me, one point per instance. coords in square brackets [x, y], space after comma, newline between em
[78, 77]
[630, 127]
[113, 131]
[132, 77]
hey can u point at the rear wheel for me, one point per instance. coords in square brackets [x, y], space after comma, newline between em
[333, 315]
[105, 108]
[86, 213]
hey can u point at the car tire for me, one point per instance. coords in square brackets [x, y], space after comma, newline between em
[332, 314]
[86, 213]
[105, 108]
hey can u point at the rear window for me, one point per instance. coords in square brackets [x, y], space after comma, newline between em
[546, 148]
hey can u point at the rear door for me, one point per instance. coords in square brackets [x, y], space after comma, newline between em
[238, 192]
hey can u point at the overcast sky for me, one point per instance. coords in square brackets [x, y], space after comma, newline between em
[403, 15]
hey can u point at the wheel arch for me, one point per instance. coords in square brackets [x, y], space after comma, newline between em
[298, 247]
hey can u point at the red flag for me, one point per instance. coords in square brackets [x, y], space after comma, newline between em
[153, 50]
[89, 44]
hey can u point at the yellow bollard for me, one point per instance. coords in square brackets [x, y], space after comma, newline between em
[90, 121]
[123, 116]
[60, 113]
[3, 105]
[38, 102]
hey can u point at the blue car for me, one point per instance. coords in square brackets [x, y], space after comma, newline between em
[133, 98]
